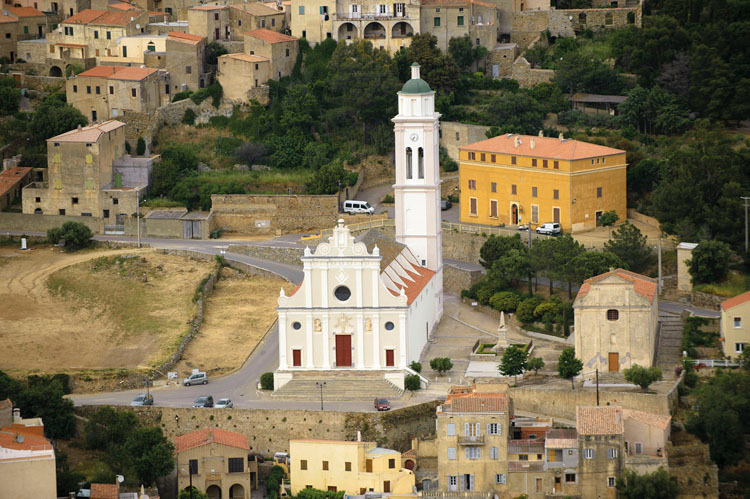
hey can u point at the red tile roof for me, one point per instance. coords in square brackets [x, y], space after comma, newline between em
[544, 147]
[7, 19]
[734, 301]
[210, 7]
[660, 421]
[122, 6]
[477, 402]
[9, 440]
[644, 286]
[209, 435]
[85, 16]
[599, 420]
[25, 11]
[104, 491]
[9, 178]
[179, 36]
[105, 17]
[270, 36]
[415, 285]
[119, 72]
[561, 439]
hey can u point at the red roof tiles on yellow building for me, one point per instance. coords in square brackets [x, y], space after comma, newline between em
[736, 300]
[185, 37]
[644, 286]
[119, 72]
[599, 420]
[25, 11]
[478, 402]
[104, 17]
[211, 435]
[269, 36]
[543, 147]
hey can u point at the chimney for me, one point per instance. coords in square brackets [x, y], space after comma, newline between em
[16, 414]
[561, 136]
[359, 436]
[531, 143]
[541, 133]
[79, 127]
[517, 142]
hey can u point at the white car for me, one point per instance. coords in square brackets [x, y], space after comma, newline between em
[224, 404]
[196, 379]
[353, 207]
[551, 229]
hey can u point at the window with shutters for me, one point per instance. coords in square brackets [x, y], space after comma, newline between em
[612, 453]
[236, 465]
[473, 207]
[500, 478]
[638, 448]
[555, 194]
[460, 21]
[512, 160]
[588, 453]
[513, 189]
[451, 429]
[545, 163]
[493, 186]
[453, 482]
[473, 185]
[613, 315]
[347, 466]
[535, 213]
[610, 481]
[451, 453]
[493, 429]
[193, 463]
[303, 464]
[533, 192]
[483, 157]
[472, 430]
[598, 192]
[493, 453]
[325, 466]
[533, 161]
[493, 208]
[472, 156]
[391, 464]
[473, 453]
[437, 22]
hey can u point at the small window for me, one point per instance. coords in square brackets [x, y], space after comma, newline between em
[38, 199]
[588, 453]
[61, 211]
[533, 161]
[342, 293]
[451, 453]
[105, 213]
[437, 22]
[458, 136]
[216, 16]
[296, 325]
[188, 70]
[451, 429]
[88, 89]
[556, 165]
[523, 457]
[347, 466]
[460, 20]
[473, 207]
[613, 314]
[493, 453]
[500, 478]
[302, 13]
[325, 465]
[493, 186]
[570, 477]
[115, 201]
[473, 185]
[555, 194]
[236, 465]
[612, 453]
[482, 157]
[391, 464]
[545, 163]
[472, 156]
[303, 464]
[96, 35]
[389, 326]
[513, 189]
[111, 90]
[533, 192]
[74, 200]
[493, 429]
[493, 158]
[609, 19]
[193, 464]
[98, 90]
[75, 89]
[109, 35]
[287, 52]
[739, 347]
[598, 192]
[610, 481]
[132, 92]
[512, 160]
[737, 322]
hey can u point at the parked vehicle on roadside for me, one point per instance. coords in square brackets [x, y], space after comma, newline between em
[204, 401]
[382, 405]
[550, 229]
[224, 404]
[353, 206]
[143, 399]
[199, 378]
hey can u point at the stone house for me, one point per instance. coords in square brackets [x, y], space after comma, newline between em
[735, 325]
[561, 462]
[352, 467]
[19, 24]
[472, 433]
[12, 181]
[255, 15]
[81, 178]
[645, 436]
[600, 449]
[140, 49]
[210, 21]
[185, 54]
[106, 92]
[239, 73]
[280, 49]
[526, 466]
[616, 321]
[447, 19]
[217, 462]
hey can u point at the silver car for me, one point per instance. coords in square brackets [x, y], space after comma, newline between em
[224, 404]
[196, 379]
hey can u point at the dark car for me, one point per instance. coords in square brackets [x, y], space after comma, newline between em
[143, 399]
[445, 205]
[204, 401]
[382, 405]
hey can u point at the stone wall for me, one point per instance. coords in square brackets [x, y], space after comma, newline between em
[456, 279]
[289, 256]
[526, 76]
[40, 223]
[454, 135]
[244, 267]
[706, 300]
[269, 430]
[273, 214]
[462, 246]
[501, 56]
[41, 83]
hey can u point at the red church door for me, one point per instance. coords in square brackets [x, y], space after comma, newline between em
[343, 350]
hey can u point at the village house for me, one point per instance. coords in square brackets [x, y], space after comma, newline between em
[600, 449]
[616, 321]
[141, 49]
[239, 73]
[351, 467]
[211, 21]
[106, 92]
[12, 181]
[217, 462]
[446, 19]
[185, 60]
[255, 15]
[645, 436]
[561, 462]
[19, 24]
[735, 325]
[280, 49]
[512, 179]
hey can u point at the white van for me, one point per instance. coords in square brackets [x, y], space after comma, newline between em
[354, 206]
[550, 228]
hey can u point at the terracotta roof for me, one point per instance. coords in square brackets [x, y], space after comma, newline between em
[85, 16]
[256, 9]
[660, 421]
[526, 446]
[734, 301]
[561, 439]
[118, 72]
[25, 11]
[478, 402]
[9, 440]
[89, 133]
[122, 6]
[644, 286]
[599, 420]
[269, 36]
[7, 19]
[411, 453]
[104, 491]
[209, 7]
[105, 17]
[245, 57]
[415, 285]
[179, 36]
[544, 147]
[9, 179]
[209, 435]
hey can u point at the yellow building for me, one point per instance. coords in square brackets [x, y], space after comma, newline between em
[353, 467]
[735, 325]
[513, 179]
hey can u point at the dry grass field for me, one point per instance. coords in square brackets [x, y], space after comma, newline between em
[238, 314]
[96, 309]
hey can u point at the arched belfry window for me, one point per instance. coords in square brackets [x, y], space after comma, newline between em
[408, 163]
[421, 163]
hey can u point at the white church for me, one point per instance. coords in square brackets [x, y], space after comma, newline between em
[370, 303]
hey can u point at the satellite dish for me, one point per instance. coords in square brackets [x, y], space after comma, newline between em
[120, 478]
[137, 26]
[19, 439]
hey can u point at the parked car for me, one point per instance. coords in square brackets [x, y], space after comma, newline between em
[204, 401]
[523, 227]
[143, 399]
[551, 229]
[353, 206]
[224, 404]
[196, 379]
[382, 405]
[445, 204]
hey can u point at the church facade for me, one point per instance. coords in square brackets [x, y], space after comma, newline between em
[370, 303]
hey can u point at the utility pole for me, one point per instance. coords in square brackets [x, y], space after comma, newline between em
[747, 246]
[321, 385]
[138, 214]
[597, 386]
[658, 282]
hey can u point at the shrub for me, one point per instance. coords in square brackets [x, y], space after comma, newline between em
[388, 199]
[189, 117]
[505, 301]
[127, 147]
[416, 366]
[535, 364]
[140, 148]
[266, 381]
[441, 364]
[219, 121]
[642, 376]
[76, 235]
[185, 94]
[526, 308]
[691, 379]
[485, 293]
[546, 311]
[709, 262]
[411, 382]
[225, 146]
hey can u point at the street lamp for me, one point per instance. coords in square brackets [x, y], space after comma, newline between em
[190, 473]
[321, 385]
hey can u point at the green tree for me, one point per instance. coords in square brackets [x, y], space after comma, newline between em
[140, 148]
[197, 494]
[535, 364]
[10, 97]
[568, 366]
[608, 219]
[328, 179]
[577, 72]
[53, 117]
[440, 71]
[464, 52]
[415, 366]
[212, 52]
[76, 235]
[592, 263]
[514, 265]
[108, 426]
[517, 112]
[497, 246]
[525, 310]
[513, 362]
[507, 301]
[46, 401]
[266, 381]
[655, 485]
[319, 494]
[151, 454]
[300, 109]
[441, 365]
[67, 480]
[629, 245]
[642, 376]
[709, 262]
[552, 256]
[412, 382]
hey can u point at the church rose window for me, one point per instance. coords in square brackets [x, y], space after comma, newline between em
[389, 326]
[342, 293]
[296, 325]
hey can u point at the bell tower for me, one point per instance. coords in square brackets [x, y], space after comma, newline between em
[417, 187]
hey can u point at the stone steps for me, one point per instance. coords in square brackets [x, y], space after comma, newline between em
[669, 350]
[337, 388]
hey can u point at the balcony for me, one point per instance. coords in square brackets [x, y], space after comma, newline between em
[357, 16]
[471, 440]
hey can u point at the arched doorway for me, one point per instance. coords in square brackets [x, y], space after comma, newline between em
[213, 492]
[374, 30]
[38, 211]
[237, 491]
[514, 214]
[402, 30]
[55, 71]
[348, 31]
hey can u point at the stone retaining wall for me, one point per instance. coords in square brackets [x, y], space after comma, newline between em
[289, 256]
[456, 279]
[526, 76]
[706, 300]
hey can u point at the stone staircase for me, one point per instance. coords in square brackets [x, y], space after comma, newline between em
[669, 349]
[339, 387]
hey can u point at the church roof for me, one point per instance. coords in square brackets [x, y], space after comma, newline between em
[416, 85]
[389, 247]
